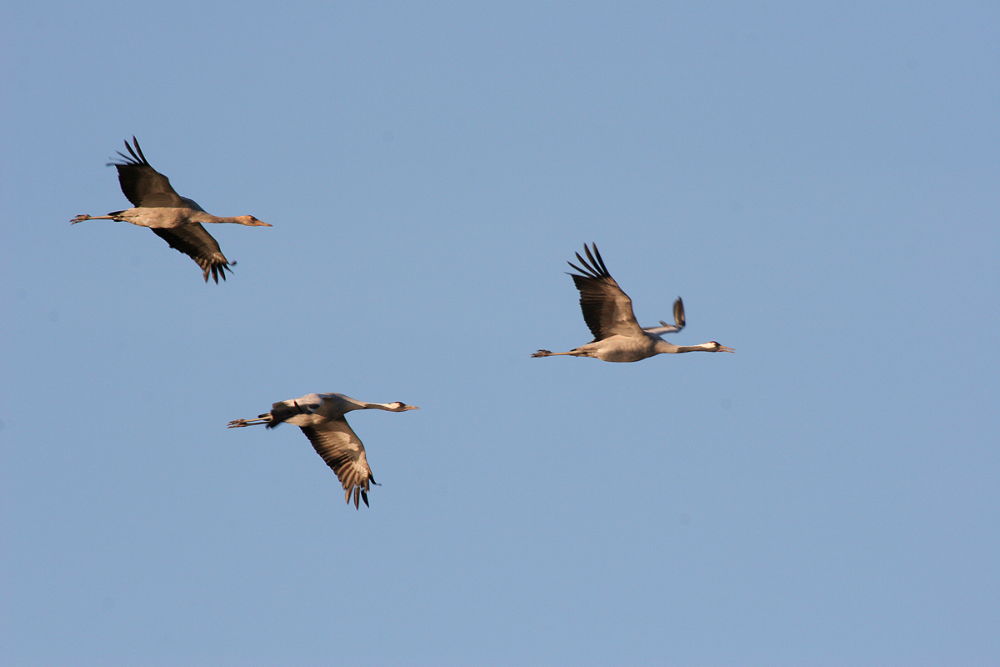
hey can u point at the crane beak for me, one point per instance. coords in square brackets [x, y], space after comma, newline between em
[410, 407]
[261, 223]
[723, 348]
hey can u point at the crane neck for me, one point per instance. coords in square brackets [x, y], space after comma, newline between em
[202, 216]
[663, 347]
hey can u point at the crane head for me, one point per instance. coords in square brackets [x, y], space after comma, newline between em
[399, 406]
[719, 347]
[251, 221]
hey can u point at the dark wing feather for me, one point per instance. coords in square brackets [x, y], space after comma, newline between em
[342, 450]
[606, 308]
[143, 185]
[196, 243]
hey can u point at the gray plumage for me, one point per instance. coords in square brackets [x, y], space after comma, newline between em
[175, 219]
[607, 310]
[322, 418]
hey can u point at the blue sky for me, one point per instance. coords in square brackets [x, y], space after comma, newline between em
[817, 180]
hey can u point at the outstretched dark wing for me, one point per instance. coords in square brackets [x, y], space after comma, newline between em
[143, 185]
[342, 450]
[196, 243]
[606, 308]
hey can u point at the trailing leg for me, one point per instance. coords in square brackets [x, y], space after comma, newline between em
[549, 353]
[237, 423]
[84, 217]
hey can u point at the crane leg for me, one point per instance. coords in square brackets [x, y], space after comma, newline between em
[548, 353]
[84, 218]
[237, 423]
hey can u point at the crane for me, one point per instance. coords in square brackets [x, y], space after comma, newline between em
[607, 309]
[173, 218]
[322, 418]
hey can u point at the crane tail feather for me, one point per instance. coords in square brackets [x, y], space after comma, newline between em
[282, 411]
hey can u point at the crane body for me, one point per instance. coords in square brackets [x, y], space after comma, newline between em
[175, 219]
[322, 419]
[607, 310]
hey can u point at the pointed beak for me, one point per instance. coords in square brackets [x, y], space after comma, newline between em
[261, 223]
[410, 407]
[723, 348]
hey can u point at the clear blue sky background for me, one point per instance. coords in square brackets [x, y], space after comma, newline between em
[819, 181]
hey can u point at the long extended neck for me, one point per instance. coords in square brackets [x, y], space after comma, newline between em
[390, 407]
[663, 347]
[202, 216]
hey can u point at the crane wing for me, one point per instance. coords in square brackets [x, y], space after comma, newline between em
[342, 450]
[665, 328]
[196, 243]
[143, 185]
[607, 309]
